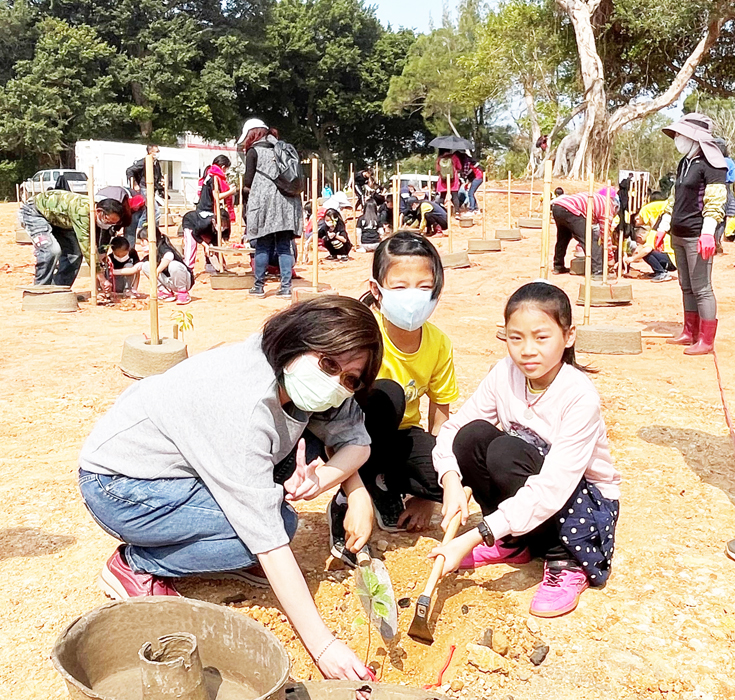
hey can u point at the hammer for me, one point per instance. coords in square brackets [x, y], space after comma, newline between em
[419, 630]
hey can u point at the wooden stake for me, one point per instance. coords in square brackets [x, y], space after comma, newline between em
[324, 182]
[377, 172]
[449, 214]
[240, 209]
[217, 211]
[530, 196]
[152, 249]
[314, 226]
[546, 221]
[335, 182]
[395, 203]
[303, 232]
[165, 202]
[484, 206]
[17, 193]
[93, 237]
[588, 251]
[606, 235]
[510, 222]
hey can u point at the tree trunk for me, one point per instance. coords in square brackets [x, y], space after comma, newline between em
[594, 144]
[535, 129]
[145, 125]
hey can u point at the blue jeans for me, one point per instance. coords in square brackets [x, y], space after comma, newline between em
[473, 188]
[278, 244]
[659, 262]
[172, 527]
[57, 251]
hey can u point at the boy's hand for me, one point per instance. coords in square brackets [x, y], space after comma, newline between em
[455, 499]
[358, 520]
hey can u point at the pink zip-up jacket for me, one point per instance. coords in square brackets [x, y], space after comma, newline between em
[567, 426]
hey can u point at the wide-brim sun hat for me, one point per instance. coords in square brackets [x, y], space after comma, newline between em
[698, 127]
[251, 124]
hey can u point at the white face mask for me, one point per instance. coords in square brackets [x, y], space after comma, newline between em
[407, 309]
[310, 389]
[685, 145]
[125, 258]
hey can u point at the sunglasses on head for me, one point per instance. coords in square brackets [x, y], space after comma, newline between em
[331, 367]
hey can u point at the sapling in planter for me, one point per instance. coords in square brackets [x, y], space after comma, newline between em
[183, 321]
[375, 590]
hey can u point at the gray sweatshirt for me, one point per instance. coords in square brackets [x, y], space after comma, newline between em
[217, 416]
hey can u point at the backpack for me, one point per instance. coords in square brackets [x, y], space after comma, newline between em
[290, 179]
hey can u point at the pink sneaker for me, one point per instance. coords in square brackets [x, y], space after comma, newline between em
[499, 553]
[120, 582]
[182, 298]
[165, 295]
[560, 589]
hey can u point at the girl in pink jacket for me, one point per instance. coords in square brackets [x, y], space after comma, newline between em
[531, 443]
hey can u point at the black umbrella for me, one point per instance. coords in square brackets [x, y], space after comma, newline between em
[451, 143]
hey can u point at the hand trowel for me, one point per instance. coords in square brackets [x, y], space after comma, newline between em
[376, 593]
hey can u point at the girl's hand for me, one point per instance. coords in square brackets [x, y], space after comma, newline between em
[358, 520]
[453, 553]
[454, 501]
[339, 662]
[304, 483]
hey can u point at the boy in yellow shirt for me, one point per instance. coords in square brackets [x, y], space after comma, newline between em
[660, 261]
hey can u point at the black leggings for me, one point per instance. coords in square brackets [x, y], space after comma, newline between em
[403, 457]
[495, 466]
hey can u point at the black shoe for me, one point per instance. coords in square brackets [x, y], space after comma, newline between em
[284, 293]
[331, 257]
[388, 508]
[337, 537]
[256, 292]
[730, 549]
[560, 271]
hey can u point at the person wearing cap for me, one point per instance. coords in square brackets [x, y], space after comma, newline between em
[273, 219]
[695, 206]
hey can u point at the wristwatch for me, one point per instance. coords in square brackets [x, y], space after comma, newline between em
[486, 533]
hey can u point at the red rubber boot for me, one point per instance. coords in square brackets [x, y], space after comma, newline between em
[706, 341]
[690, 332]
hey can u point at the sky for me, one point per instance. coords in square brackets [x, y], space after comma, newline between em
[413, 14]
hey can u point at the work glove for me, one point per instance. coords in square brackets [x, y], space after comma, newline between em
[663, 228]
[706, 242]
[706, 246]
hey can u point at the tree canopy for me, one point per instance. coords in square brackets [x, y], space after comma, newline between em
[151, 70]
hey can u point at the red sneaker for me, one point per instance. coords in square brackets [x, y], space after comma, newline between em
[120, 582]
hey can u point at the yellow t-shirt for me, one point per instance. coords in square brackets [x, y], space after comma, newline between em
[429, 370]
[650, 212]
[651, 241]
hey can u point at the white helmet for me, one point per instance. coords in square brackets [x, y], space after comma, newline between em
[251, 124]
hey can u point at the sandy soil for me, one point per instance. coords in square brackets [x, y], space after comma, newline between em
[664, 626]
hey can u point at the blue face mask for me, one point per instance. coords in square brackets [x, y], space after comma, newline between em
[407, 309]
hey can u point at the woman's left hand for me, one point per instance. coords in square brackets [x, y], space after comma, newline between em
[304, 483]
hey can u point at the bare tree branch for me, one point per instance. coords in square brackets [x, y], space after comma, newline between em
[628, 113]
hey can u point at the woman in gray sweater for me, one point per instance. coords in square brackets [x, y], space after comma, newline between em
[194, 470]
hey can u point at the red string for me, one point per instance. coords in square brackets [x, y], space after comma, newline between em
[443, 671]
